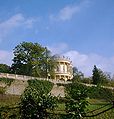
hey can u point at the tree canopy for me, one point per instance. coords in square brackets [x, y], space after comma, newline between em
[32, 59]
[4, 68]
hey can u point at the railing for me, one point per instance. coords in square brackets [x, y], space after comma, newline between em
[24, 77]
[90, 85]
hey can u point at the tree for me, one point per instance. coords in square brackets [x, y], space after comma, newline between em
[77, 75]
[4, 68]
[96, 75]
[99, 77]
[31, 59]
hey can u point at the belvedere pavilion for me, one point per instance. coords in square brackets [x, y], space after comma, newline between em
[64, 68]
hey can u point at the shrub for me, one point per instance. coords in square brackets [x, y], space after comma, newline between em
[41, 85]
[36, 100]
[76, 104]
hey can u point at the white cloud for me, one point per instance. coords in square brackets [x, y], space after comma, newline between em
[68, 12]
[85, 62]
[6, 57]
[14, 22]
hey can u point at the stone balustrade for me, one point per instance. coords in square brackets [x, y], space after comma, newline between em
[24, 77]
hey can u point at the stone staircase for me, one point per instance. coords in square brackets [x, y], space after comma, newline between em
[58, 91]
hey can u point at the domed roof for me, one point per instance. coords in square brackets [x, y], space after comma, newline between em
[57, 56]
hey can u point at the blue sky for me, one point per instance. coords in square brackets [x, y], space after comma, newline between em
[80, 29]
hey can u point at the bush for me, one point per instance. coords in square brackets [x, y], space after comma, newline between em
[41, 85]
[76, 90]
[76, 104]
[36, 100]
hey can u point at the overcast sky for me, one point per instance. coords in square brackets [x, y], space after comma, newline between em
[80, 29]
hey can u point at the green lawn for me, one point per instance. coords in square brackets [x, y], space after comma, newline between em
[96, 103]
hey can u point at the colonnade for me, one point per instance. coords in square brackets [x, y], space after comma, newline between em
[63, 69]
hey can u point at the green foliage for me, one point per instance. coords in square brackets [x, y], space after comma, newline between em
[36, 100]
[99, 77]
[4, 68]
[76, 91]
[41, 86]
[110, 83]
[93, 92]
[7, 81]
[76, 104]
[32, 59]
[33, 106]
[96, 75]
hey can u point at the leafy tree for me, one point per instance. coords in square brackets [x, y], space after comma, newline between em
[105, 77]
[36, 100]
[96, 76]
[31, 59]
[4, 68]
[99, 77]
[77, 75]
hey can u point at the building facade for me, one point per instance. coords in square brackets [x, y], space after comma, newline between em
[64, 68]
